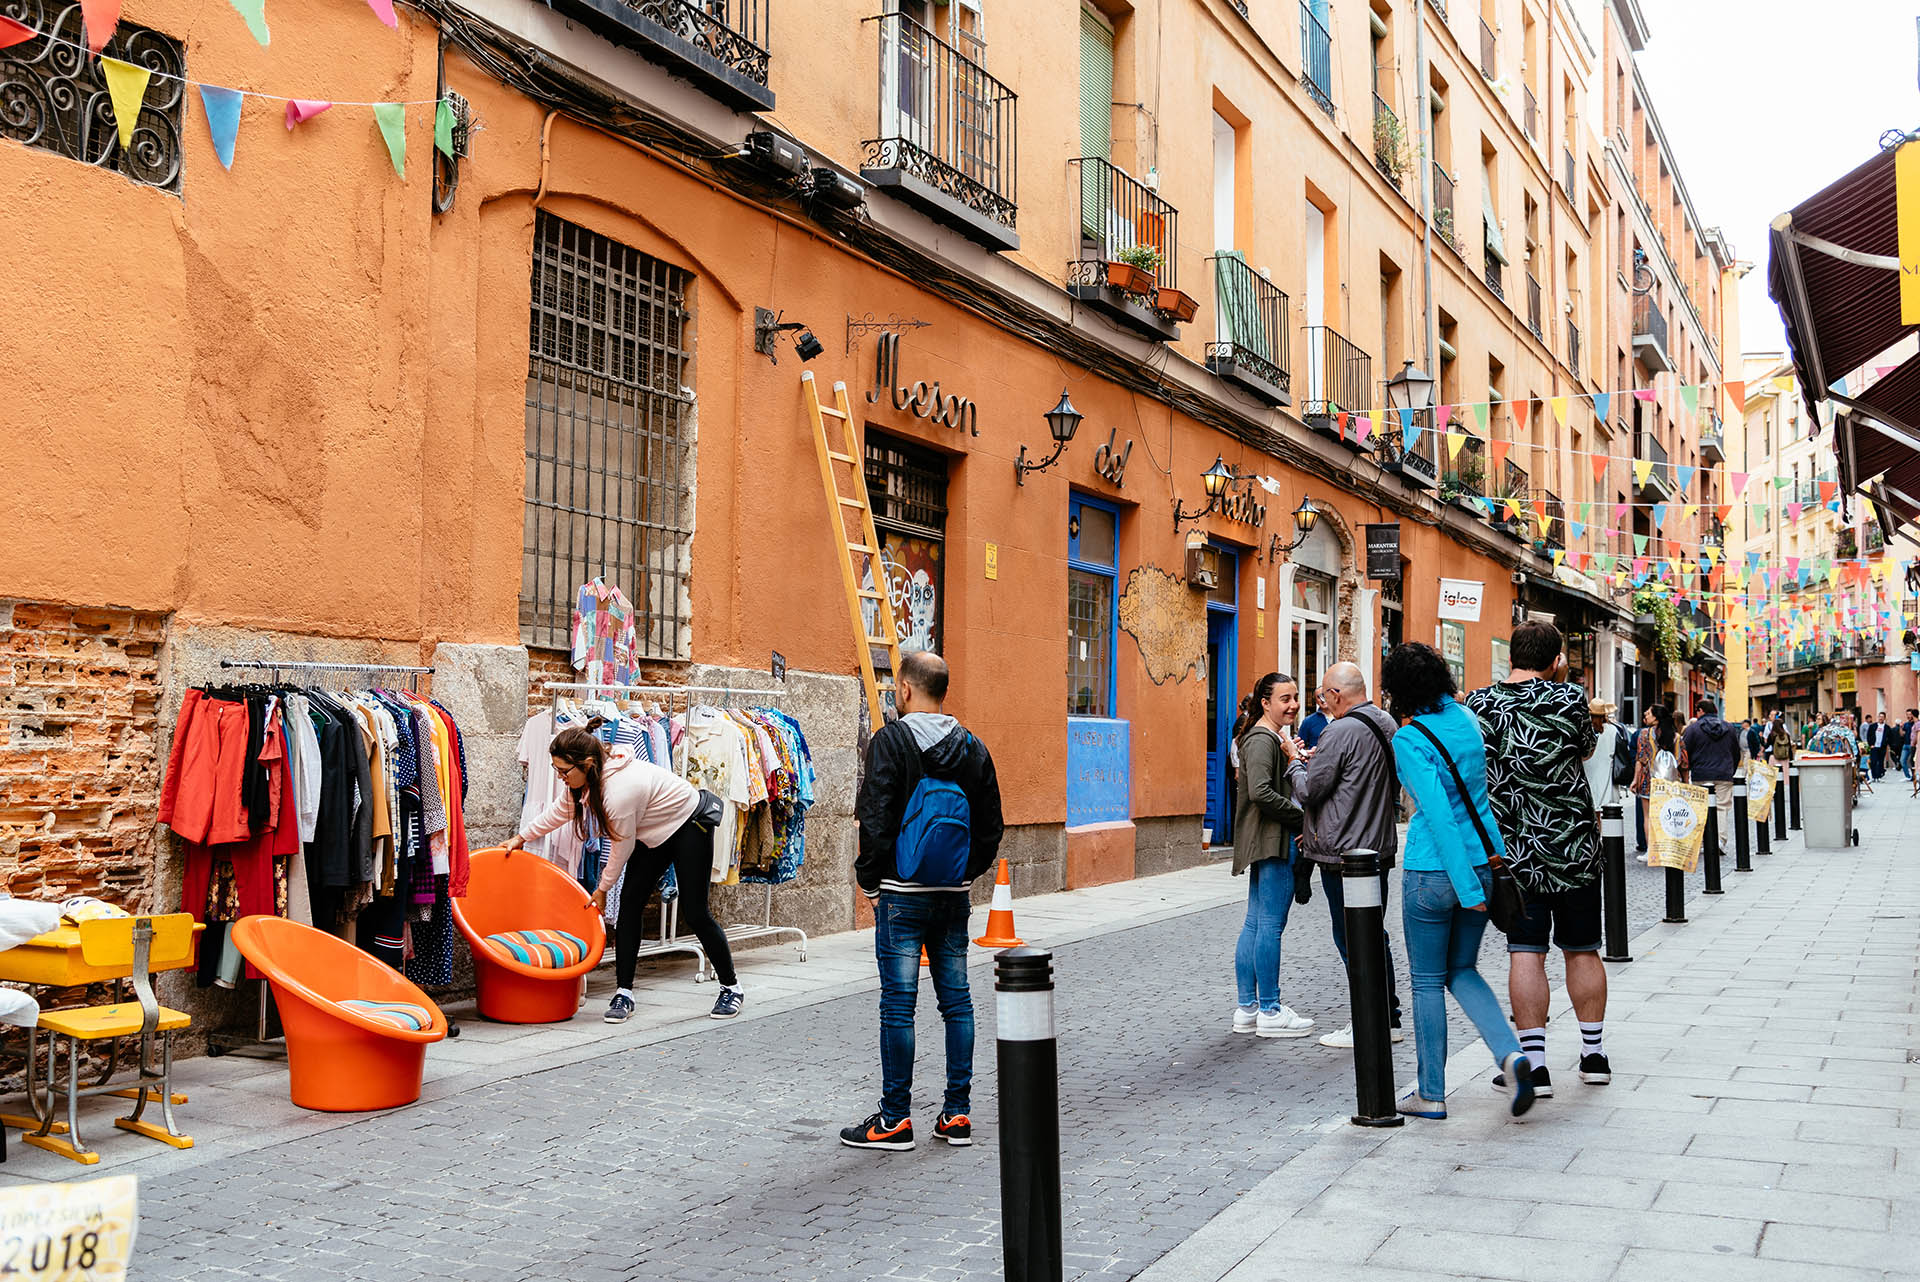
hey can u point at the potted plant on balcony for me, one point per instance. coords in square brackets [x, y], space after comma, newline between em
[1443, 226]
[1461, 486]
[1176, 303]
[1389, 145]
[1132, 270]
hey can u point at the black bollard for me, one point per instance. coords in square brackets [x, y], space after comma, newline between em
[1793, 794]
[1367, 989]
[1742, 862]
[1710, 846]
[1613, 883]
[1028, 1061]
[1779, 809]
[1761, 845]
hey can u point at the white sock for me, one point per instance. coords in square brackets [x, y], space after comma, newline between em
[1590, 1043]
[624, 992]
[1533, 1044]
[733, 988]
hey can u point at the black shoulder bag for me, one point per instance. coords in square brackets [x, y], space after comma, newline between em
[1507, 903]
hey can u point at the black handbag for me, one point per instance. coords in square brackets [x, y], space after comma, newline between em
[1506, 902]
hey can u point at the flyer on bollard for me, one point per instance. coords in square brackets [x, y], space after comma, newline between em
[1676, 824]
[1762, 779]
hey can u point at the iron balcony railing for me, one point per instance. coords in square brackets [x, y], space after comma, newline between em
[1648, 320]
[1555, 533]
[1647, 446]
[1566, 163]
[1465, 475]
[1529, 114]
[1386, 141]
[1119, 214]
[1488, 67]
[1339, 375]
[1422, 460]
[1250, 321]
[944, 120]
[1512, 486]
[1573, 347]
[1496, 276]
[1533, 307]
[1876, 538]
[724, 43]
[1443, 214]
[1316, 58]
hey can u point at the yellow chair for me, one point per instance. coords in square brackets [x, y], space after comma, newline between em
[143, 945]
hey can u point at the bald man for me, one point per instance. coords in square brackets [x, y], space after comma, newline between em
[1348, 786]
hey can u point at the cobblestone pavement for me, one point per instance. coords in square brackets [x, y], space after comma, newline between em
[712, 1155]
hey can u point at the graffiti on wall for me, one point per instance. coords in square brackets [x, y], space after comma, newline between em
[1168, 620]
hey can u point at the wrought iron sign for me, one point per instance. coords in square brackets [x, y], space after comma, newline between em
[1239, 504]
[923, 399]
[1111, 464]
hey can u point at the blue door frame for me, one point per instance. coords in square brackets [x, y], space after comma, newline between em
[1223, 671]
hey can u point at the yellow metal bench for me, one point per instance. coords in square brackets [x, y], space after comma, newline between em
[135, 947]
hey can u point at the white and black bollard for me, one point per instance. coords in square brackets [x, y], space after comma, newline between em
[1613, 883]
[1779, 811]
[1710, 848]
[1367, 987]
[1742, 861]
[1028, 1061]
[1793, 794]
[1761, 844]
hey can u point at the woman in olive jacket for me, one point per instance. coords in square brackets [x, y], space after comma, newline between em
[1265, 817]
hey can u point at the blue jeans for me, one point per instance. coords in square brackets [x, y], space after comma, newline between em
[903, 924]
[1443, 945]
[1330, 885]
[1906, 760]
[1256, 958]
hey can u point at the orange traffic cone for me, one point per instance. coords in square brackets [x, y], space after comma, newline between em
[1000, 919]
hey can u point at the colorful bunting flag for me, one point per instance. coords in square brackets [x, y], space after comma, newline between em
[1683, 475]
[1737, 390]
[1602, 402]
[383, 9]
[1642, 467]
[391, 117]
[101, 17]
[1441, 416]
[1498, 449]
[127, 87]
[1480, 415]
[13, 33]
[223, 119]
[443, 140]
[1454, 441]
[301, 110]
[1690, 397]
[1659, 515]
[1739, 480]
[1600, 462]
[255, 13]
[1559, 405]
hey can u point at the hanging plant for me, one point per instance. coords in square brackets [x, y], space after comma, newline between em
[1389, 144]
[1666, 622]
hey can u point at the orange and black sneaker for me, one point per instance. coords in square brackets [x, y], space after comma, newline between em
[956, 1130]
[875, 1133]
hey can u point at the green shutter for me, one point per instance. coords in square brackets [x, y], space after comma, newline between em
[1096, 120]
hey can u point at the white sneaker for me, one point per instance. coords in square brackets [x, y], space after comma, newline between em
[1342, 1039]
[1283, 1023]
[1245, 1018]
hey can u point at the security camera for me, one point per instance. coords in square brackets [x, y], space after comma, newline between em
[1519, 578]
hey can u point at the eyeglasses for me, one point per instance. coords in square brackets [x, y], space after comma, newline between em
[564, 771]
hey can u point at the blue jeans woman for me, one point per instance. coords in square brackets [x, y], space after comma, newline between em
[1265, 818]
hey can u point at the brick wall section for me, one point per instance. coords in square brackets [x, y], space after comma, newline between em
[554, 665]
[79, 752]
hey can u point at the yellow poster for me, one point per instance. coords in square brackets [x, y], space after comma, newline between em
[1847, 681]
[1761, 781]
[1677, 822]
[68, 1232]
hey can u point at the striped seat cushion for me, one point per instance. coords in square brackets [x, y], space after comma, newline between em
[400, 1014]
[547, 949]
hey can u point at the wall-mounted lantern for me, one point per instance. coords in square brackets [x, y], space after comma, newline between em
[1062, 422]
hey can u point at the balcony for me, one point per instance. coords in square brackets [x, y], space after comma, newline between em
[1567, 170]
[1845, 545]
[1389, 142]
[1650, 336]
[1496, 273]
[1533, 307]
[1250, 343]
[1316, 58]
[1529, 114]
[1876, 538]
[1510, 495]
[1488, 66]
[946, 137]
[1443, 215]
[1551, 537]
[1419, 465]
[1808, 654]
[1463, 483]
[1573, 347]
[1339, 377]
[1128, 267]
[720, 45]
[1713, 448]
[1659, 484]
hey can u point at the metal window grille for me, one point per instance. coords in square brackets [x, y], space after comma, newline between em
[610, 442]
[1089, 641]
[53, 95]
[908, 486]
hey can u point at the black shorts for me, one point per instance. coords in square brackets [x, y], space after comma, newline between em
[1572, 917]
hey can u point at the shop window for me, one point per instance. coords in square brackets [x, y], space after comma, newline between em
[908, 486]
[1093, 572]
[56, 97]
[609, 439]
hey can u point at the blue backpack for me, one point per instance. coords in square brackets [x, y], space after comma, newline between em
[936, 834]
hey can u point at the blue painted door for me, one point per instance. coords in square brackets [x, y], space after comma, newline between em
[1222, 680]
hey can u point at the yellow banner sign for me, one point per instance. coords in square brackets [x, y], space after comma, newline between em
[1906, 205]
[68, 1232]
[1847, 681]
[1762, 778]
[1677, 824]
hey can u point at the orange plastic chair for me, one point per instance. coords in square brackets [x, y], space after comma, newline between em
[340, 1059]
[516, 890]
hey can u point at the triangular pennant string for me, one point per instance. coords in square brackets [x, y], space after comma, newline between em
[223, 119]
[383, 9]
[392, 119]
[443, 141]
[13, 33]
[102, 16]
[301, 110]
[127, 87]
[255, 13]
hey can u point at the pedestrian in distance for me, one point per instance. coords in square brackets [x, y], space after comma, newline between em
[1714, 753]
[653, 820]
[1662, 754]
[1877, 740]
[1640, 734]
[930, 823]
[1316, 722]
[1908, 730]
[1610, 764]
[1265, 819]
[1348, 788]
[1538, 733]
[1441, 760]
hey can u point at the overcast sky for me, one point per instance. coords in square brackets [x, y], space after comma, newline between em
[1765, 102]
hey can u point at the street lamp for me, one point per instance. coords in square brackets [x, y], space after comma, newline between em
[1410, 389]
[1215, 479]
[1305, 518]
[1062, 422]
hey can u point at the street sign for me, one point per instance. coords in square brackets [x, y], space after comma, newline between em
[1460, 599]
[779, 667]
[1383, 551]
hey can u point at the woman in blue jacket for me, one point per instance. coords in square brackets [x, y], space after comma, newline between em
[1444, 895]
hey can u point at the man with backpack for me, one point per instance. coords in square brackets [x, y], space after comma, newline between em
[930, 823]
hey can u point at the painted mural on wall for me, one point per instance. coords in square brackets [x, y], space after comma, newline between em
[1168, 620]
[913, 579]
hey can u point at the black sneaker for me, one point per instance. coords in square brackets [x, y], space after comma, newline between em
[956, 1130]
[1542, 1083]
[619, 1010]
[1595, 1071]
[875, 1133]
[728, 1003]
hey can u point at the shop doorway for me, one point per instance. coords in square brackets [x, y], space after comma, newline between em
[1311, 652]
[1223, 699]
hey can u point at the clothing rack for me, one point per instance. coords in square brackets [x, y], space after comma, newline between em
[670, 940]
[262, 1044]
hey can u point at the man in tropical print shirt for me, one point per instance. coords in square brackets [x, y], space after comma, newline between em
[1539, 735]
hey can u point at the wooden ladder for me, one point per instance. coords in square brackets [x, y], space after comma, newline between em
[859, 551]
